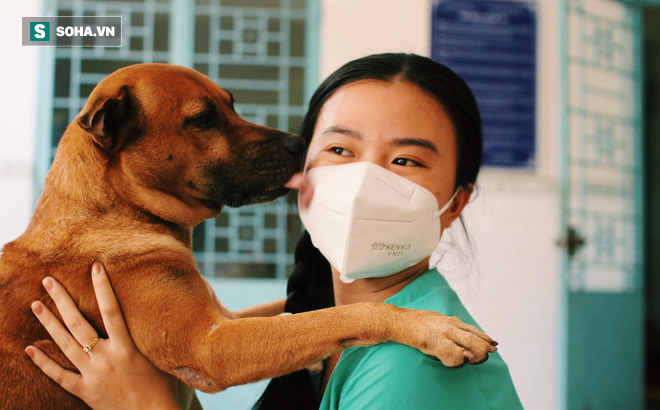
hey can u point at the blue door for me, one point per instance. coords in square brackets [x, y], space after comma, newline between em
[602, 205]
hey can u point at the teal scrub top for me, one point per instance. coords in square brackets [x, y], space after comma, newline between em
[394, 376]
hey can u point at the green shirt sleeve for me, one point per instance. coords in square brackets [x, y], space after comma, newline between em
[393, 376]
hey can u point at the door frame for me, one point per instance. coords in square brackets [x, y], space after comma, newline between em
[638, 280]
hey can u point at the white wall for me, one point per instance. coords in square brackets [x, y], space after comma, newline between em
[18, 82]
[513, 290]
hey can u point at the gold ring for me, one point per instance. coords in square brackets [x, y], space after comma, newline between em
[88, 348]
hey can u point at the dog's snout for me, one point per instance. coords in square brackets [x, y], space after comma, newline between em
[293, 143]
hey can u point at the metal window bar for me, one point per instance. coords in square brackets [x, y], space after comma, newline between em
[256, 41]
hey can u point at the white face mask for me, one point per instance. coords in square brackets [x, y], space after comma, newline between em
[369, 222]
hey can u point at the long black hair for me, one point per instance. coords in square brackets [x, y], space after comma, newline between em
[310, 283]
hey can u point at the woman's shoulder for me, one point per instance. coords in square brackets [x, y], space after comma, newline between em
[430, 291]
[392, 362]
[392, 358]
[391, 373]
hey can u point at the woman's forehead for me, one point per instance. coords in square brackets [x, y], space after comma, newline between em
[397, 108]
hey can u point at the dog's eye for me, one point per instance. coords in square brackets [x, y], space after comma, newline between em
[203, 120]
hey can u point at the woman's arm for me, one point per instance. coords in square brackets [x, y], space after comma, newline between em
[113, 373]
[264, 310]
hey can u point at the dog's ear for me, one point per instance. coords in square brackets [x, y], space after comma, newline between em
[109, 120]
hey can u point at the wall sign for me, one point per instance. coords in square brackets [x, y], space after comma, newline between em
[492, 46]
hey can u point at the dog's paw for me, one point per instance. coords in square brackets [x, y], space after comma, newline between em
[454, 342]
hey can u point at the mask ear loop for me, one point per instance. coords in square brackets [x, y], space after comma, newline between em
[447, 205]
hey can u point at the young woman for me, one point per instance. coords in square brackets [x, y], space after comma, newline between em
[394, 150]
[389, 119]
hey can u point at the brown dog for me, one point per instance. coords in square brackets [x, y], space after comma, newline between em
[156, 150]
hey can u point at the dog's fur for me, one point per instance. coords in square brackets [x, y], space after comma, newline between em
[156, 150]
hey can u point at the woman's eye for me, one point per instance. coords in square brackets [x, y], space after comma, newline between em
[406, 162]
[341, 151]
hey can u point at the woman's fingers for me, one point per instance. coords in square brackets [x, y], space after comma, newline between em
[114, 375]
[74, 320]
[69, 380]
[110, 311]
[69, 346]
[305, 188]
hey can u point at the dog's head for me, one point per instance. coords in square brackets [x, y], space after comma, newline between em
[177, 148]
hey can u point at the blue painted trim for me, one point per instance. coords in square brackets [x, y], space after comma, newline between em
[564, 187]
[182, 33]
[313, 46]
[44, 128]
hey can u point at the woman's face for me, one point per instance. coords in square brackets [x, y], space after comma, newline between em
[395, 125]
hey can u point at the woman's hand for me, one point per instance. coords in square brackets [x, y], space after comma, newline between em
[304, 187]
[113, 373]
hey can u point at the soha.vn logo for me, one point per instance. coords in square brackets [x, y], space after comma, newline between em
[87, 31]
[39, 31]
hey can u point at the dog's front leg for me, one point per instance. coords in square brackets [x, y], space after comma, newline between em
[177, 324]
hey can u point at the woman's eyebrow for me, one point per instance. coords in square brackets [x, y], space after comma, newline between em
[342, 130]
[418, 142]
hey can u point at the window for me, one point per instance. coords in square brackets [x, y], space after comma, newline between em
[258, 49]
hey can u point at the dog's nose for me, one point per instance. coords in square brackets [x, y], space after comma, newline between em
[293, 143]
